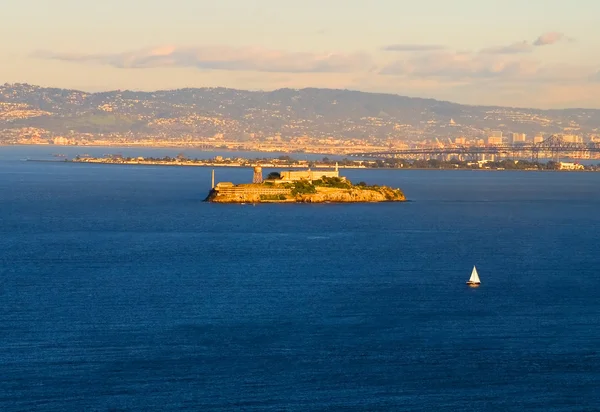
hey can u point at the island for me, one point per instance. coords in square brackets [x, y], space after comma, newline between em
[301, 186]
[285, 161]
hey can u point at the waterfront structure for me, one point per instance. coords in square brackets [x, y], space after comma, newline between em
[569, 166]
[61, 141]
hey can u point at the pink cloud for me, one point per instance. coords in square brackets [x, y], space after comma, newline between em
[224, 58]
[549, 38]
[413, 47]
[515, 48]
[462, 65]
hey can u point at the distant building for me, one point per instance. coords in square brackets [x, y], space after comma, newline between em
[61, 141]
[496, 133]
[460, 140]
[569, 166]
[519, 138]
[495, 140]
[538, 139]
[570, 138]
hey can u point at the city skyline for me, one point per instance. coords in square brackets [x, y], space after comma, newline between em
[535, 54]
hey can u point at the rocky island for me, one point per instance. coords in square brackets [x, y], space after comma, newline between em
[305, 186]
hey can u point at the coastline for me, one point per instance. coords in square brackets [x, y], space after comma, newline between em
[179, 147]
[233, 166]
[261, 193]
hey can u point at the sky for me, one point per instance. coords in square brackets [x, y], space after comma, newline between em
[523, 53]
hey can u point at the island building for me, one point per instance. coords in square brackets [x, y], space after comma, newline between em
[257, 178]
[310, 175]
[271, 187]
[570, 166]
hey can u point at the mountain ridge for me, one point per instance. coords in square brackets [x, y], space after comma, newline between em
[283, 114]
[382, 94]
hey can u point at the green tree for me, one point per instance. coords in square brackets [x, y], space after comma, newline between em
[303, 187]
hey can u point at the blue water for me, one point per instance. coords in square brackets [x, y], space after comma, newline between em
[121, 290]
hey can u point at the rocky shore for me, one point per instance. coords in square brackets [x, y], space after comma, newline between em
[355, 194]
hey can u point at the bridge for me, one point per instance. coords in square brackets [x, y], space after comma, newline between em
[551, 148]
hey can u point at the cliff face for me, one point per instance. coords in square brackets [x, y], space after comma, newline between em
[355, 194]
[380, 194]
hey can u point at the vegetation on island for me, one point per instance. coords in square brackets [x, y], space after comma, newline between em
[303, 187]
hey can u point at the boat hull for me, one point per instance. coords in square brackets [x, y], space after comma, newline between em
[473, 284]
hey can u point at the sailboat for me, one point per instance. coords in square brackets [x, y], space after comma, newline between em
[474, 279]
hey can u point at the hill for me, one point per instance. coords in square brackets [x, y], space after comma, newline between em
[280, 115]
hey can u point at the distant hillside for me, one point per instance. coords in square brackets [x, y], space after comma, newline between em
[242, 115]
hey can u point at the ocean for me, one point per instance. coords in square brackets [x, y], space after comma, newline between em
[121, 290]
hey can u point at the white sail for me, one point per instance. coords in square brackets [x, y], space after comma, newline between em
[474, 276]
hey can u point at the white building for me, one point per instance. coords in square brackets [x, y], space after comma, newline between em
[571, 138]
[570, 166]
[519, 137]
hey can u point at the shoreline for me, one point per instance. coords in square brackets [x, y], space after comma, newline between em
[304, 166]
[199, 148]
[220, 149]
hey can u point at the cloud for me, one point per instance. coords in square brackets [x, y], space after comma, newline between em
[525, 47]
[515, 48]
[549, 38]
[413, 47]
[224, 58]
[462, 66]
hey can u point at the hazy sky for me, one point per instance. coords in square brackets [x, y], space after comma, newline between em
[540, 53]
